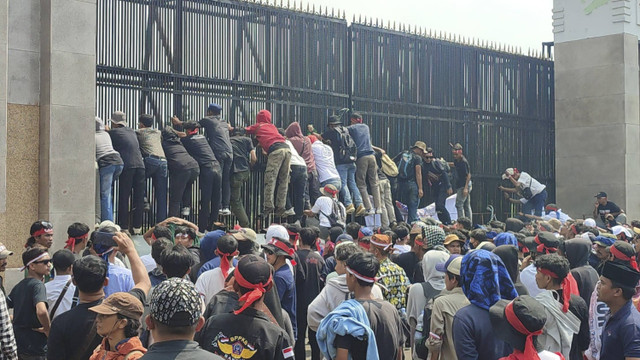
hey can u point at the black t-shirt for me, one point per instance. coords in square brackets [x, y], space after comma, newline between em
[411, 264]
[609, 207]
[248, 335]
[461, 169]
[198, 147]
[73, 333]
[387, 328]
[23, 299]
[178, 159]
[242, 147]
[217, 132]
[125, 141]
[307, 289]
[381, 174]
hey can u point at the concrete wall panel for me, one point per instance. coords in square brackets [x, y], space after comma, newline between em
[579, 83]
[73, 78]
[83, 16]
[24, 77]
[24, 25]
[585, 112]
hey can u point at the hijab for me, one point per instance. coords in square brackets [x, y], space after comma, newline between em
[431, 275]
[485, 279]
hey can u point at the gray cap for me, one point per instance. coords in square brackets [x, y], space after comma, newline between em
[118, 117]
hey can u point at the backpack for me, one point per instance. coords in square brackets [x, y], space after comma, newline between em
[389, 168]
[404, 165]
[337, 217]
[420, 344]
[347, 149]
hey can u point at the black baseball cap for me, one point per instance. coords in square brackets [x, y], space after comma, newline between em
[601, 194]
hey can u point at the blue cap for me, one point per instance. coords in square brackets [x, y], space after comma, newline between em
[214, 107]
[604, 241]
[365, 231]
[442, 267]
[344, 237]
[491, 234]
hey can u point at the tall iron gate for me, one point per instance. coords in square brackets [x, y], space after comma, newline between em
[167, 57]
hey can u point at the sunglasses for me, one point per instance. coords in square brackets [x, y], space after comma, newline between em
[46, 224]
[268, 252]
[42, 261]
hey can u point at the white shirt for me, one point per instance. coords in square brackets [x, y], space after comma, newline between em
[54, 289]
[528, 279]
[149, 263]
[326, 167]
[210, 283]
[324, 205]
[556, 215]
[526, 179]
[401, 249]
[296, 159]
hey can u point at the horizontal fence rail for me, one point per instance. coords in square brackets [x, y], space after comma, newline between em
[170, 57]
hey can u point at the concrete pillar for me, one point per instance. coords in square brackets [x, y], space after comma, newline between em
[597, 102]
[67, 110]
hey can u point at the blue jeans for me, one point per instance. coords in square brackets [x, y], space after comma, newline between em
[349, 189]
[408, 192]
[535, 204]
[333, 181]
[108, 175]
[157, 170]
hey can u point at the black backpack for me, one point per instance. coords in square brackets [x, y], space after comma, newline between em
[347, 149]
[337, 217]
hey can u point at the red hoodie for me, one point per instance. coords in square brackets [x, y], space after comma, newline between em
[266, 133]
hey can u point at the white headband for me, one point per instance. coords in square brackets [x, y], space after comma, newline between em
[34, 260]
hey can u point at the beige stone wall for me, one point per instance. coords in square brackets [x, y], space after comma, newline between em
[22, 177]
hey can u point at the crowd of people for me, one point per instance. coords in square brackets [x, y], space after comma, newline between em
[538, 286]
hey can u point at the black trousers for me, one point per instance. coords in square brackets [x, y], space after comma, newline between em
[299, 348]
[297, 183]
[226, 165]
[210, 182]
[180, 183]
[131, 188]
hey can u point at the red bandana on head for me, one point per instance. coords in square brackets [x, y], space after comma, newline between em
[257, 290]
[621, 256]
[224, 261]
[544, 249]
[569, 287]
[282, 246]
[530, 352]
[71, 241]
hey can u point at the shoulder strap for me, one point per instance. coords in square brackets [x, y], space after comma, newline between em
[64, 291]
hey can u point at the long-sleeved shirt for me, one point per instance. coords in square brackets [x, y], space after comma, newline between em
[8, 347]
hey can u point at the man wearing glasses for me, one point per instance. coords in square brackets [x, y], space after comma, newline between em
[28, 299]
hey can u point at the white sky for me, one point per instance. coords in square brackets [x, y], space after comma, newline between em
[520, 23]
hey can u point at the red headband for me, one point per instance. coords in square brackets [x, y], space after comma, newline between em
[574, 230]
[542, 248]
[569, 287]
[418, 240]
[192, 132]
[361, 277]
[224, 261]
[621, 256]
[282, 246]
[43, 231]
[257, 290]
[357, 120]
[530, 352]
[71, 241]
[293, 235]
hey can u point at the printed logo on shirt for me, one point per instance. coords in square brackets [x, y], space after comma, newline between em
[233, 347]
[288, 353]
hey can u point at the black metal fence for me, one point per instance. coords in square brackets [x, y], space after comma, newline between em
[168, 57]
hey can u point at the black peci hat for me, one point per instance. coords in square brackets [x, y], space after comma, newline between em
[527, 310]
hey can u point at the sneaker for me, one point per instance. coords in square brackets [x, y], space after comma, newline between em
[147, 206]
[225, 212]
[379, 211]
[267, 211]
[137, 231]
[185, 211]
[350, 209]
[360, 210]
[279, 212]
[370, 212]
[290, 212]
